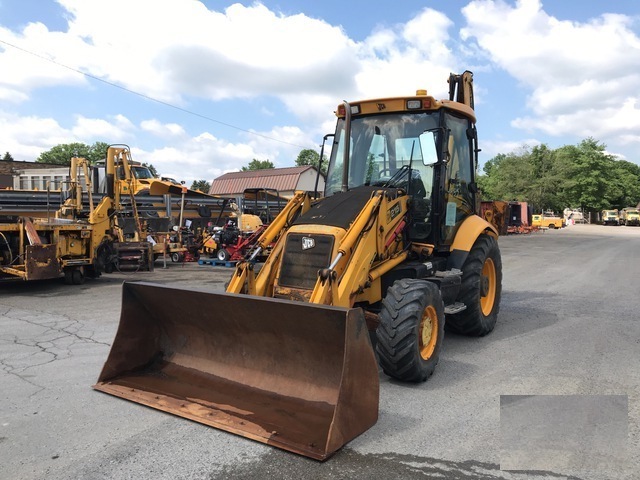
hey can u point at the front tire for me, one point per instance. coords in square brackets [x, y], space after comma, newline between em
[223, 255]
[411, 330]
[480, 290]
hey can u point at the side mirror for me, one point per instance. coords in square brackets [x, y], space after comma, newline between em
[428, 147]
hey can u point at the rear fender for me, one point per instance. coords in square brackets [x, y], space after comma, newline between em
[471, 228]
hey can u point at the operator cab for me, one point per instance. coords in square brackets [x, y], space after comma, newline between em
[417, 144]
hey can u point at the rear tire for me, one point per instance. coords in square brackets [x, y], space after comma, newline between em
[480, 290]
[223, 255]
[176, 257]
[77, 277]
[411, 330]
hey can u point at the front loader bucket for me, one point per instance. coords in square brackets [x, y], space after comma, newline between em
[294, 375]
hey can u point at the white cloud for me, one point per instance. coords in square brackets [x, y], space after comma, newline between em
[491, 148]
[398, 61]
[97, 129]
[245, 51]
[205, 156]
[27, 137]
[582, 77]
[622, 122]
[291, 140]
[190, 52]
[162, 129]
[25, 65]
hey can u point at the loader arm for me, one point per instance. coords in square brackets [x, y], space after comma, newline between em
[125, 157]
[244, 278]
[374, 240]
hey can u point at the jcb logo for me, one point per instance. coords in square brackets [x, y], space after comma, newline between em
[307, 243]
[393, 212]
[381, 106]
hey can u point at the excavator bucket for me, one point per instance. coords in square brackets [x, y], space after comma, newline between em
[298, 376]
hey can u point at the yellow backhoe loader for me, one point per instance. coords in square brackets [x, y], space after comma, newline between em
[287, 356]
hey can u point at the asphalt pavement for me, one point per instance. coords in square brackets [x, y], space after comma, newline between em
[552, 393]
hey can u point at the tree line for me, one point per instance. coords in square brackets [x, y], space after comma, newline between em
[307, 156]
[576, 176]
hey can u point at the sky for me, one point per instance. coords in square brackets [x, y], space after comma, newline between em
[200, 88]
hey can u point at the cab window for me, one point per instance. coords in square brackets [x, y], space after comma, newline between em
[459, 199]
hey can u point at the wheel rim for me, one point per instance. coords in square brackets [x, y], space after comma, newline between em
[428, 332]
[488, 296]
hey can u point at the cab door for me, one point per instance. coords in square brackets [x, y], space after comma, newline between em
[459, 181]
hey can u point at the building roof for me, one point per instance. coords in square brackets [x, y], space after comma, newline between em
[11, 167]
[281, 179]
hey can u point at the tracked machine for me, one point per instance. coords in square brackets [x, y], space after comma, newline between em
[367, 274]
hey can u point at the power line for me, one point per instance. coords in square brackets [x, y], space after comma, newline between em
[147, 97]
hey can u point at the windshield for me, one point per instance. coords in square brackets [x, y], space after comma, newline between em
[141, 172]
[381, 149]
[136, 172]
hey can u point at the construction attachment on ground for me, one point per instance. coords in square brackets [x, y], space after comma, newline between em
[298, 376]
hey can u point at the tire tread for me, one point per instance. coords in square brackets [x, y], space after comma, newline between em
[397, 342]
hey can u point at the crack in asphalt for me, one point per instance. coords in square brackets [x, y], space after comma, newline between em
[53, 343]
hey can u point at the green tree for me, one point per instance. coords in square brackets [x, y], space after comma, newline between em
[61, 154]
[97, 152]
[309, 156]
[201, 185]
[582, 175]
[7, 157]
[563, 178]
[151, 168]
[625, 188]
[591, 176]
[256, 164]
[507, 177]
[534, 175]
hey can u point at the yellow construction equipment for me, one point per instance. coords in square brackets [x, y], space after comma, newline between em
[75, 242]
[610, 217]
[287, 355]
[630, 216]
